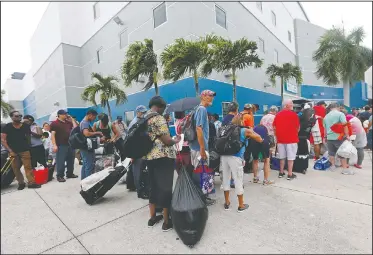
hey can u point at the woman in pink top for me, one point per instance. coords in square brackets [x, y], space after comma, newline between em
[361, 139]
[183, 157]
[267, 121]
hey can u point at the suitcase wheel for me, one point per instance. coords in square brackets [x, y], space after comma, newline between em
[304, 171]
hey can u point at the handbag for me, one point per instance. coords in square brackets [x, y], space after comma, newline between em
[205, 175]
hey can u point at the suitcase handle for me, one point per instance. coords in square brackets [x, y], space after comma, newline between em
[7, 164]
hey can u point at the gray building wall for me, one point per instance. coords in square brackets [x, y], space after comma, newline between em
[17, 105]
[307, 36]
[67, 71]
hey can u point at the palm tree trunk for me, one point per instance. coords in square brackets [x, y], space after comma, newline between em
[196, 85]
[346, 93]
[109, 111]
[282, 90]
[234, 86]
[155, 80]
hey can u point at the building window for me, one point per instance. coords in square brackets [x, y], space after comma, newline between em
[259, 5]
[159, 15]
[275, 56]
[224, 107]
[129, 116]
[261, 45]
[99, 55]
[123, 39]
[96, 11]
[221, 17]
[274, 19]
[289, 36]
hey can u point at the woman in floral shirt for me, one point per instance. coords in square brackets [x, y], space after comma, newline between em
[161, 164]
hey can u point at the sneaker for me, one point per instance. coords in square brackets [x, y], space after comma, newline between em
[256, 180]
[332, 168]
[61, 179]
[72, 176]
[291, 177]
[154, 220]
[280, 175]
[167, 227]
[226, 206]
[241, 209]
[34, 186]
[348, 172]
[358, 166]
[21, 186]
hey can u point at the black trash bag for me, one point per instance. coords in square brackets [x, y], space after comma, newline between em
[188, 210]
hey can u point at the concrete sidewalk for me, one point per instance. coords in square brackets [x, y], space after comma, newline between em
[320, 212]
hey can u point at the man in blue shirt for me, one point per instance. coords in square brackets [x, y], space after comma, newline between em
[199, 147]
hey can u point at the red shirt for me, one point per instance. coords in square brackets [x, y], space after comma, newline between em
[62, 130]
[286, 123]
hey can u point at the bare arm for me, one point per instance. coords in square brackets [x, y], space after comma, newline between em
[200, 138]
[167, 140]
[87, 133]
[5, 143]
[249, 133]
[115, 132]
[38, 133]
[94, 127]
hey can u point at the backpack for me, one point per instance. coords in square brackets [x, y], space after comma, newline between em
[77, 140]
[138, 143]
[187, 127]
[228, 142]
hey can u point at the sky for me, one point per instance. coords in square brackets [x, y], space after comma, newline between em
[20, 19]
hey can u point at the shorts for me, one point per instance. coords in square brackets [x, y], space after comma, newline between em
[232, 166]
[288, 150]
[316, 134]
[161, 177]
[333, 146]
[257, 148]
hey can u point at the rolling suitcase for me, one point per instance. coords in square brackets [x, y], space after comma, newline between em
[144, 182]
[130, 181]
[97, 185]
[302, 159]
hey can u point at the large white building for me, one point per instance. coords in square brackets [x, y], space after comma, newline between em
[74, 39]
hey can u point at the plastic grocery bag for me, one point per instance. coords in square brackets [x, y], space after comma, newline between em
[188, 209]
[347, 150]
[104, 162]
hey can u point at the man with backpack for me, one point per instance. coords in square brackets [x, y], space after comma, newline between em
[200, 146]
[88, 155]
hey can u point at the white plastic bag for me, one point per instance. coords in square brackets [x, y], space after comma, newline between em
[347, 150]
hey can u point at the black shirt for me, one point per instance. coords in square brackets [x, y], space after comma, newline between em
[18, 139]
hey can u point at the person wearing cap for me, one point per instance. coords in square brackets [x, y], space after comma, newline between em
[37, 150]
[248, 117]
[232, 111]
[200, 146]
[140, 112]
[60, 130]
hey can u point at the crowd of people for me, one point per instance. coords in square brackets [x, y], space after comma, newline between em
[280, 133]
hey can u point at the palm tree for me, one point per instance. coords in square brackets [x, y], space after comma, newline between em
[6, 108]
[285, 72]
[186, 57]
[141, 60]
[107, 87]
[226, 55]
[342, 59]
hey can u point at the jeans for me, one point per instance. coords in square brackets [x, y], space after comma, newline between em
[88, 158]
[65, 154]
[369, 137]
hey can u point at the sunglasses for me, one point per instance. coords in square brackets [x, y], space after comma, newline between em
[17, 116]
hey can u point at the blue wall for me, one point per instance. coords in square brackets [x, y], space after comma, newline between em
[185, 88]
[358, 95]
[330, 93]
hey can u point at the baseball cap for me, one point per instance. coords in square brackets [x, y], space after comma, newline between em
[321, 103]
[248, 106]
[61, 112]
[141, 108]
[208, 93]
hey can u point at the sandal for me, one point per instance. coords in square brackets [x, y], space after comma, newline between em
[256, 180]
[268, 182]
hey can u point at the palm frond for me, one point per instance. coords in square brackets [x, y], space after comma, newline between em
[6, 108]
[286, 72]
